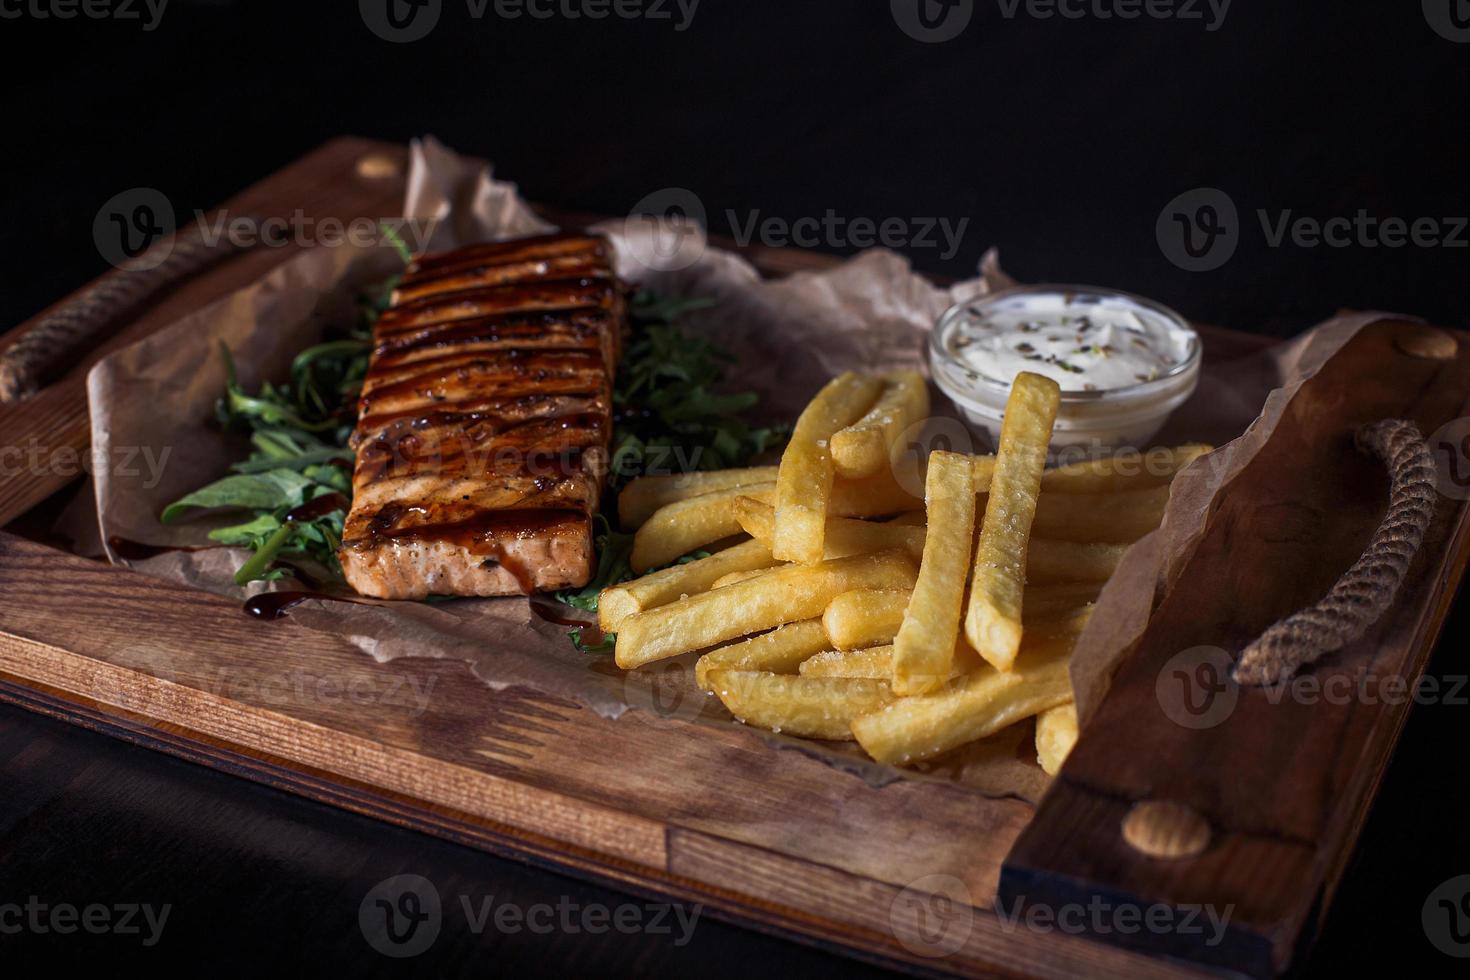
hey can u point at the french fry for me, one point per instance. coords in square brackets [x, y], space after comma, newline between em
[1121, 517]
[1111, 474]
[804, 480]
[1063, 600]
[863, 448]
[924, 646]
[865, 617]
[683, 526]
[646, 494]
[1049, 562]
[741, 576]
[813, 707]
[666, 585]
[780, 651]
[973, 706]
[785, 596]
[877, 662]
[1123, 471]
[1056, 733]
[993, 623]
[845, 536]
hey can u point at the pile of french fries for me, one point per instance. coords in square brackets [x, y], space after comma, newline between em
[833, 604]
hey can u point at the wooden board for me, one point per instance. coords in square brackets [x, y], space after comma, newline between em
[907, 873]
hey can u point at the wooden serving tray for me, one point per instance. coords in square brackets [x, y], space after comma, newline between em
[908, 873]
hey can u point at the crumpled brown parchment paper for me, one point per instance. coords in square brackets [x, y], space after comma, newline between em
[872, 312]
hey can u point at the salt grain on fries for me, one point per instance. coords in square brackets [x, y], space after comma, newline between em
[789, 594]
[1056, 733]
[641, 497]
[865, 447]
[780, 651]
[813, 707]
[836, 645]
[924, 646]
[993, 622]
[666, 585]
[804, 481]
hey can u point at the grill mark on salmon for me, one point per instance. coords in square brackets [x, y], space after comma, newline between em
[485, 422]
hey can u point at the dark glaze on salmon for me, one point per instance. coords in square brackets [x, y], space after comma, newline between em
[485, 419]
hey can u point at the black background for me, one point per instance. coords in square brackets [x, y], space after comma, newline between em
[1060, 140]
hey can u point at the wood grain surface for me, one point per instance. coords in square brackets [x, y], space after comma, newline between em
[906, 873]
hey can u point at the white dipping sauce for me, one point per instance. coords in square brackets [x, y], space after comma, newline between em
[1085, 342]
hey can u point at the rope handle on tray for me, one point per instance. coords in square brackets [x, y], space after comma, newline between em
[25, 364]
[1365, 590]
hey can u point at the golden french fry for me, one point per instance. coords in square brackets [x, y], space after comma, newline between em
[676, 529]
[618, 602]
[1060, 601]
[1124, 471]
[1056, 733]
[993, 623]
[1121, 517]
[877, 662]
[865, 617]
[785, 596]
[924, 647]
[862, 448]
[741, 576]
[845, 536]
[804, 480]
[1049, 562]
[646, 494]
[1111, 474]
[780, 651]
[813, 707]
[972, 706]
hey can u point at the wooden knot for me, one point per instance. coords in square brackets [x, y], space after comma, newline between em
[1427, 343]
[1161, 829]
[378, 166]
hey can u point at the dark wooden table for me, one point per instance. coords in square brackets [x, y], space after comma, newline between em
[1060, 140]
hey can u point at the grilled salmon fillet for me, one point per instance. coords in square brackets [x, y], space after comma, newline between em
[484, 422]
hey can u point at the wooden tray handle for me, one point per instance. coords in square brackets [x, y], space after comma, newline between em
[1365, 590]
[25, 363]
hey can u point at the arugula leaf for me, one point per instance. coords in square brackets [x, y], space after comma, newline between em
[271, 490]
